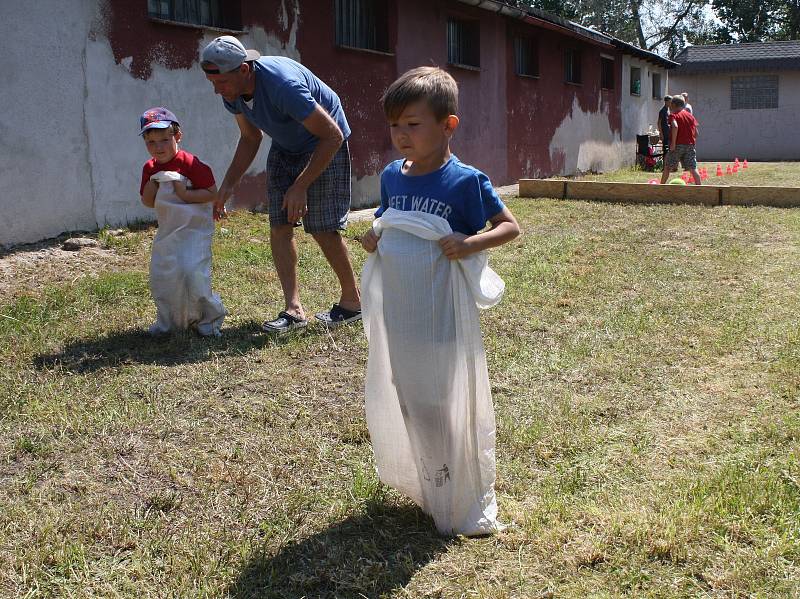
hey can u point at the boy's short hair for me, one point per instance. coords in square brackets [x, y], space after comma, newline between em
[432, 84]
[667, 98]
[678, 101]
[174, 129]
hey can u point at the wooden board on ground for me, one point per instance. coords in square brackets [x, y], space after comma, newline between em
[780, 197]
[542, 188]
[644, 193]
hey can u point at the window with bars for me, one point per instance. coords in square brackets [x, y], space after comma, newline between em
[755, 91]
[205, 13]
[606, 73]
[362, 24]
[572, 66]
[526, 57]
[657, 89]
[463, 42]
[636, 81]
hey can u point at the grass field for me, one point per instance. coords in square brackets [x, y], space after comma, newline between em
[645, 365]
[781, 174]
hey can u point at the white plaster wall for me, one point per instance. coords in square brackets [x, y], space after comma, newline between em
[44, 169]
[639, 112]
[586, 142]
[755, 134]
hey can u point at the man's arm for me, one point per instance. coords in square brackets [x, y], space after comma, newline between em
[250, 138]
[320, 124]
[673, 134]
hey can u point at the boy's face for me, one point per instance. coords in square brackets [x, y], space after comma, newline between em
[162, 144]
[417, 134]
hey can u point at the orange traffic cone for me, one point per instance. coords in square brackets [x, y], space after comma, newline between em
[735, 168]
[728, 170]
[719, 170]
[744, 164]
[736, 161]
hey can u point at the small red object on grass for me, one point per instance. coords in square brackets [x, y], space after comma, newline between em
[719, 170]
[728, 170]
[744, 164]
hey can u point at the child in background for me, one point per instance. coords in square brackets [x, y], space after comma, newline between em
[428, 399]
[182, 190]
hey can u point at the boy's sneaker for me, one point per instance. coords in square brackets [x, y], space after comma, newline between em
[284, 323]
[337, 316]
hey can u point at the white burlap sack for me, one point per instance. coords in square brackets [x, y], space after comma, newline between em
[180, 265]
[428, 399]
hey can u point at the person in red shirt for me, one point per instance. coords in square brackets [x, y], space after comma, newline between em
[683, 137]
[182, 190]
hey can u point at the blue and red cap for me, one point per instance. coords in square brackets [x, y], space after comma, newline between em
[156, 118]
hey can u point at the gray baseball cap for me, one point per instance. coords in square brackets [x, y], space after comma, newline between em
[225, 54]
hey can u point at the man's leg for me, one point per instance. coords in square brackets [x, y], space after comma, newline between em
[335, 249]
[665, 174]
[284, 255]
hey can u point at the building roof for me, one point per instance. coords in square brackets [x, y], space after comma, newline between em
[758, 56]
[534, 16]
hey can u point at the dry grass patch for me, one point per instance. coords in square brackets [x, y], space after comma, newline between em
[644, 365]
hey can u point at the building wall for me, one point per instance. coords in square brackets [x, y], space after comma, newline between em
[640, 112]
[755, 134]
[555, 127]
[76, 164]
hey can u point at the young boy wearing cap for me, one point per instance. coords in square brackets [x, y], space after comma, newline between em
[182, 190]
[308, 168]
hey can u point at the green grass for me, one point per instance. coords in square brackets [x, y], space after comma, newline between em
[644, 365]
[780, 174]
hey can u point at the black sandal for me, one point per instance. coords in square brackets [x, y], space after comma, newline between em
[337, 316]
[284, 323]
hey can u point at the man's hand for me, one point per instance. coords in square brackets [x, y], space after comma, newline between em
[456, 245]
[223, 193]
[295, 203]
[369, 241]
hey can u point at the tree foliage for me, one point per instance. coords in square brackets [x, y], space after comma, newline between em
[666, 26]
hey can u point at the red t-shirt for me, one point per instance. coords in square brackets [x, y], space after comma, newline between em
[687, 127]
[184, 163]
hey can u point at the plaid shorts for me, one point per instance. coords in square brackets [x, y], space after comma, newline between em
[328, 196]
[684, 153]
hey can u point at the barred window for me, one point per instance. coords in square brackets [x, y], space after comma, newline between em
[755, 91]
[572, 66]
[463, 42]
[636, 81]
[657, 95]
[606, 73]
[362, 24]
[526, 57]
[205, 13]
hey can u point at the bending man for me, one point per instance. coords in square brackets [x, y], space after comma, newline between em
[308, 168]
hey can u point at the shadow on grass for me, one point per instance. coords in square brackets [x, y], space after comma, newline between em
[120, 348]
[365, 555]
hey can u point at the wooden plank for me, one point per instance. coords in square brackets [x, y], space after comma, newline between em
[542, 188]
[780, 197]
[644, 193]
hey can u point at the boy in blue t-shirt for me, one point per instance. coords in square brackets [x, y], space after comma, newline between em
[427, 394]
[420, 107]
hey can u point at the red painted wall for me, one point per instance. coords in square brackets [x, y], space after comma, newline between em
[537, 106]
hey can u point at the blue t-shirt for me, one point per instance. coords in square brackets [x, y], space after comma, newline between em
[459, 193]
[285, 95]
